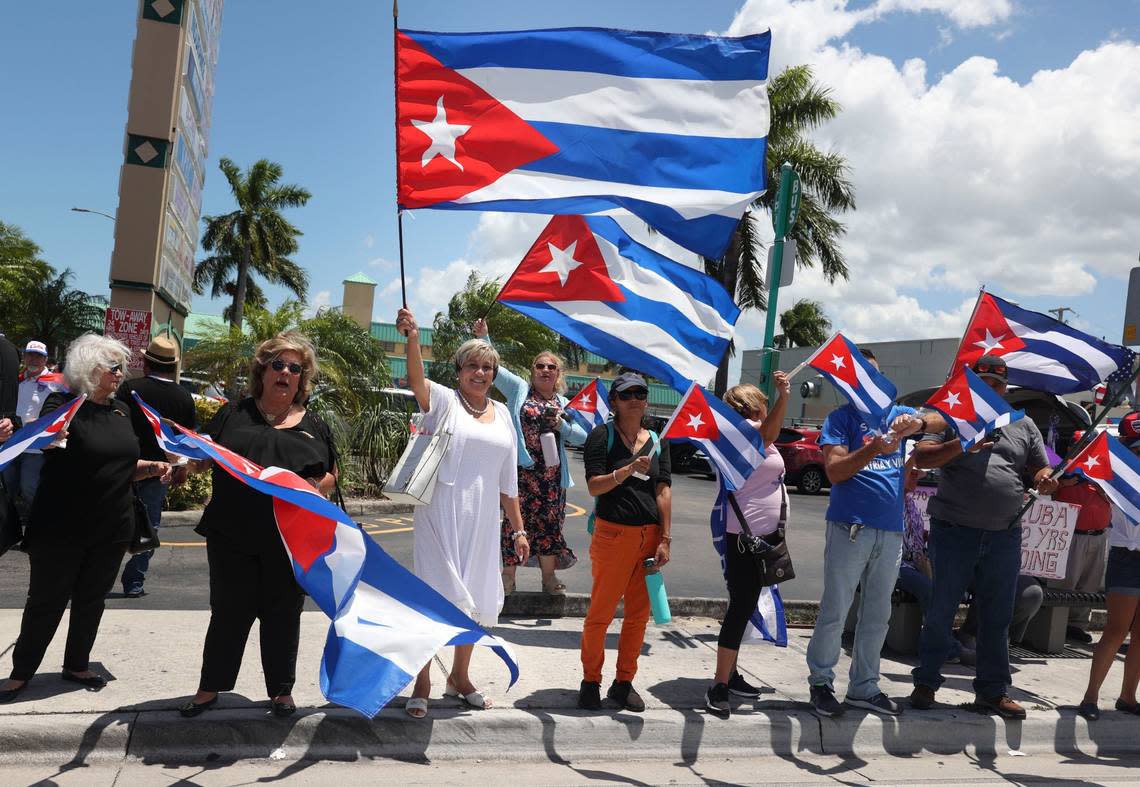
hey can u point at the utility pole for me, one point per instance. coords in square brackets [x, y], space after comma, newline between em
[787, 208]
[1060, 312]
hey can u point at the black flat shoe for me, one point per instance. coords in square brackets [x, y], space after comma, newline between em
[7, 695]
[192, 709]
[283, 709]
[93, 682]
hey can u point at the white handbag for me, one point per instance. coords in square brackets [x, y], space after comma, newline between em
[412, 480]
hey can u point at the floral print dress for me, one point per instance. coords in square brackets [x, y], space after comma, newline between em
[541, 497]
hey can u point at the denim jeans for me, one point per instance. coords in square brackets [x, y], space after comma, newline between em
[871, 562]
[152, 493]
[22, 477]
[913, 581]
[991, 559]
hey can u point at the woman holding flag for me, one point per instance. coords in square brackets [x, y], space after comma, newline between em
[82, 516]
[456, 548]
[536, 407]
[763, 501]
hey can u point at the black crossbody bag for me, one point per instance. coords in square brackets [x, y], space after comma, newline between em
[773, 562]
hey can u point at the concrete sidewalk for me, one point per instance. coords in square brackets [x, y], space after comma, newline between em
[152, 660]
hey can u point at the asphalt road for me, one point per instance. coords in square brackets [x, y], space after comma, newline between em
[178, 576]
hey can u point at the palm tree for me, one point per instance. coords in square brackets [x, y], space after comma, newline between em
[20, 268]
[803, 325]
[798, 105]
[55, 314]
[255, 237]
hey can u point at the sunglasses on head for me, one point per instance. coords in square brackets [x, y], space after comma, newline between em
[280, 366]
[990, 368]
[640, 394]
[551, 367]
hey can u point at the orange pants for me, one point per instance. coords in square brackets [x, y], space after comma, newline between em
[617, 553]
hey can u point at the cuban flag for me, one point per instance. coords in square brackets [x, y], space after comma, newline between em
[732, 444]
[971, 408]
[871, 393]
[40, 433]
[1108, 464]
[1040, 352]
[670, 127]
[767, 623]
[386, 622]
[164, 435]
[585, 278]
[590, 407]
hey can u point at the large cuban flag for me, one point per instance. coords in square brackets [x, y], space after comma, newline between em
[1040, 352]
[670, 127]
[386, 622]
[585, 278]
[871, 393]
[971, 408]
[167, 440]
[733, 445]
[40, 433]
[590, 407]
[1108, 464]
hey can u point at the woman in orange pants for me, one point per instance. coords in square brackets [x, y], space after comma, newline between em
[632, 524]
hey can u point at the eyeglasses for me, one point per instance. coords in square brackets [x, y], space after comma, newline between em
[640, 394]
[990, 368]
[280, 366]
[116, 369]
[551, 367]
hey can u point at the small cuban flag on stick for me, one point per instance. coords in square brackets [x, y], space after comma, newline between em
[732, 444]
[41, 432]
[839, 360]
[590, 407]
[971, 408]
[1108, 464]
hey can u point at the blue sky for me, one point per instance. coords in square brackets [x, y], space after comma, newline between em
[309, 85]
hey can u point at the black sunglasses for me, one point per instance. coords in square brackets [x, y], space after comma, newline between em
[115, 369]
[280, 366]
[990, 368]
[553, 367]
[640, 394]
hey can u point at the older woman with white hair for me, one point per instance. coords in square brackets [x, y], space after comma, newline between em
[82, 517]
[456, 547]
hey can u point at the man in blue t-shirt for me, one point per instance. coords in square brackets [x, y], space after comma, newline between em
[863, 550]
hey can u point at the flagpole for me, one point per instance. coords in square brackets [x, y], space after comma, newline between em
[396, 129]
[811, 357]
[969, 322]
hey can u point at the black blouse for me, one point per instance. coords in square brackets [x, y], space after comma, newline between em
[85, 493]
[236, 512]
[633, 502]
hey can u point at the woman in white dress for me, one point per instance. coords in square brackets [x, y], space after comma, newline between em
[457, 535]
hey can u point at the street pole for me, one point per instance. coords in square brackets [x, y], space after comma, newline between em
[789, 181]
[96, 212]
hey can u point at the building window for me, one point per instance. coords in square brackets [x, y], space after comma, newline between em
[595, 368]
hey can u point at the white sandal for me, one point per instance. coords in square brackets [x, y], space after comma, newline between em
[416, 707]
[474, 700]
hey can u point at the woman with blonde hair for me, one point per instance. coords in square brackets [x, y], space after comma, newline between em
[456, 548]
[763, 502]
[251, 575]
[536, 407]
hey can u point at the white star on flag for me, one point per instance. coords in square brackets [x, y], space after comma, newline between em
[585, 398]
[442, 135]
[952, 400]
[696, 422]
[561, 262]
[1091, 462]
[991, 342]
[838, 362]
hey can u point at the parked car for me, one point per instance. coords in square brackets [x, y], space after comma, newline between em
[201, 389]
[803, 459]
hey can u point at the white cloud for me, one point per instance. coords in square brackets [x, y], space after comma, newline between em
[383, 263]
[318, 302]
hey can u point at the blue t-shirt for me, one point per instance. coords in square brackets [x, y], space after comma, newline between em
[873, 497]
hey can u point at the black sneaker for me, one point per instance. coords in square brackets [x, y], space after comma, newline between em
[1077, 634]
[880, 703]
[624, 694]
[135, 592]
[590, 695]
[716, 700]
[741, 688]
[922, 698]
[823, 702]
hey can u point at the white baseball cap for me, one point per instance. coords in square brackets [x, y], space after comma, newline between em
[36, 347]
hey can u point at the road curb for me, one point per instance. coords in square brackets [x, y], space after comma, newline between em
[353, 505]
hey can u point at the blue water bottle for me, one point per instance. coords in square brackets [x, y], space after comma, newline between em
[658, 600]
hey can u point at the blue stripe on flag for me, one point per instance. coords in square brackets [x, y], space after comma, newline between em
[648, 159]
[619, 52]
[358, 678]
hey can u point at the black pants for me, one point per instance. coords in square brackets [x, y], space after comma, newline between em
[744, 588]
[244, 587]
[63, 572]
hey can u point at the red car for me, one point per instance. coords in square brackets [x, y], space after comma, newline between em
[803, 459]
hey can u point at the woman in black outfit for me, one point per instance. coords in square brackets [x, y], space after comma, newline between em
[82, 517]
[251, 575]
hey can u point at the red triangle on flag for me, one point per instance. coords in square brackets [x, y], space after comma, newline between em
[1095, 461]
[955, 398]
[586, 400]
[452, 136]
[564, 264]
[835, 359]
[694, 419]
[987, 334]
